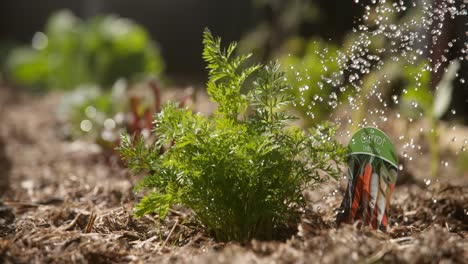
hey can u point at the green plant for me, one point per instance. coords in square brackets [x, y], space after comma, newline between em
[375, 59]
[315, 79]
[95, 115]
[101, 116]
[243, 170]
[417, 101]
[462, 162]
[72, 52]
[119, 48]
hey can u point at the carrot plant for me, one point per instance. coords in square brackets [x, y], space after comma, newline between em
[243, 170]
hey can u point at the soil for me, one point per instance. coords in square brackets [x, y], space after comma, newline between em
[64, 202]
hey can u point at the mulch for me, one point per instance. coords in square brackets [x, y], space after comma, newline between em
[63, 201]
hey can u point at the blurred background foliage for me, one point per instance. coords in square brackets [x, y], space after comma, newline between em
[313, 71]
[94, 114]
[416, 100]
[71, 51]
[318, 42]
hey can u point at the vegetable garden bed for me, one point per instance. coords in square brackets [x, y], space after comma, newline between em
[65, 203]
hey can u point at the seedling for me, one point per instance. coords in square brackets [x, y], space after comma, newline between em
[418, 101]
[243, 170]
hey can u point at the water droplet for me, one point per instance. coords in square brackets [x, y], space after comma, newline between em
[86, 125]
[109, 124]
[91, 112]
[427, 181]
[39, 41]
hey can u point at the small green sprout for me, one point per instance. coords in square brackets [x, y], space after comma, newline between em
[418, 101]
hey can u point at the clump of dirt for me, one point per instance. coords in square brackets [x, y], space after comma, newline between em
[65, 203]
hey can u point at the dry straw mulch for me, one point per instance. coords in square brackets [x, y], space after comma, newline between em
[64, 202]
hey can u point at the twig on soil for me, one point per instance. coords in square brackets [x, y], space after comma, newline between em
[149, 240]
[170, 233]
[399, 243]
[152, 219]
[71, 224]
[401, 240]
[410, 213]
[379, 254]
[157, 223]
[193, 240]
[181, 214]
[90, 223]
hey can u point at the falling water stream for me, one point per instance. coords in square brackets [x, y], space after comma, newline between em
[390, 38]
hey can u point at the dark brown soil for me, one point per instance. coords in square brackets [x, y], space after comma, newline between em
[63, 202]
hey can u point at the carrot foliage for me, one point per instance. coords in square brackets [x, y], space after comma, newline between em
[244, 169]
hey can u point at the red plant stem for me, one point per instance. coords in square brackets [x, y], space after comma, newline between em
[157, 95]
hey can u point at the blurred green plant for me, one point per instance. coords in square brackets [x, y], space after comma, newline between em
[377, 52]
[241, 171]
[462, 162]
[72, 52]
[101, 116]
[95, 115]
[119, 48]
[417, 101]
[314, 73]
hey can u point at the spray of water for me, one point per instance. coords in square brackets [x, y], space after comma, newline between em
[390, 37]
[395, 40]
